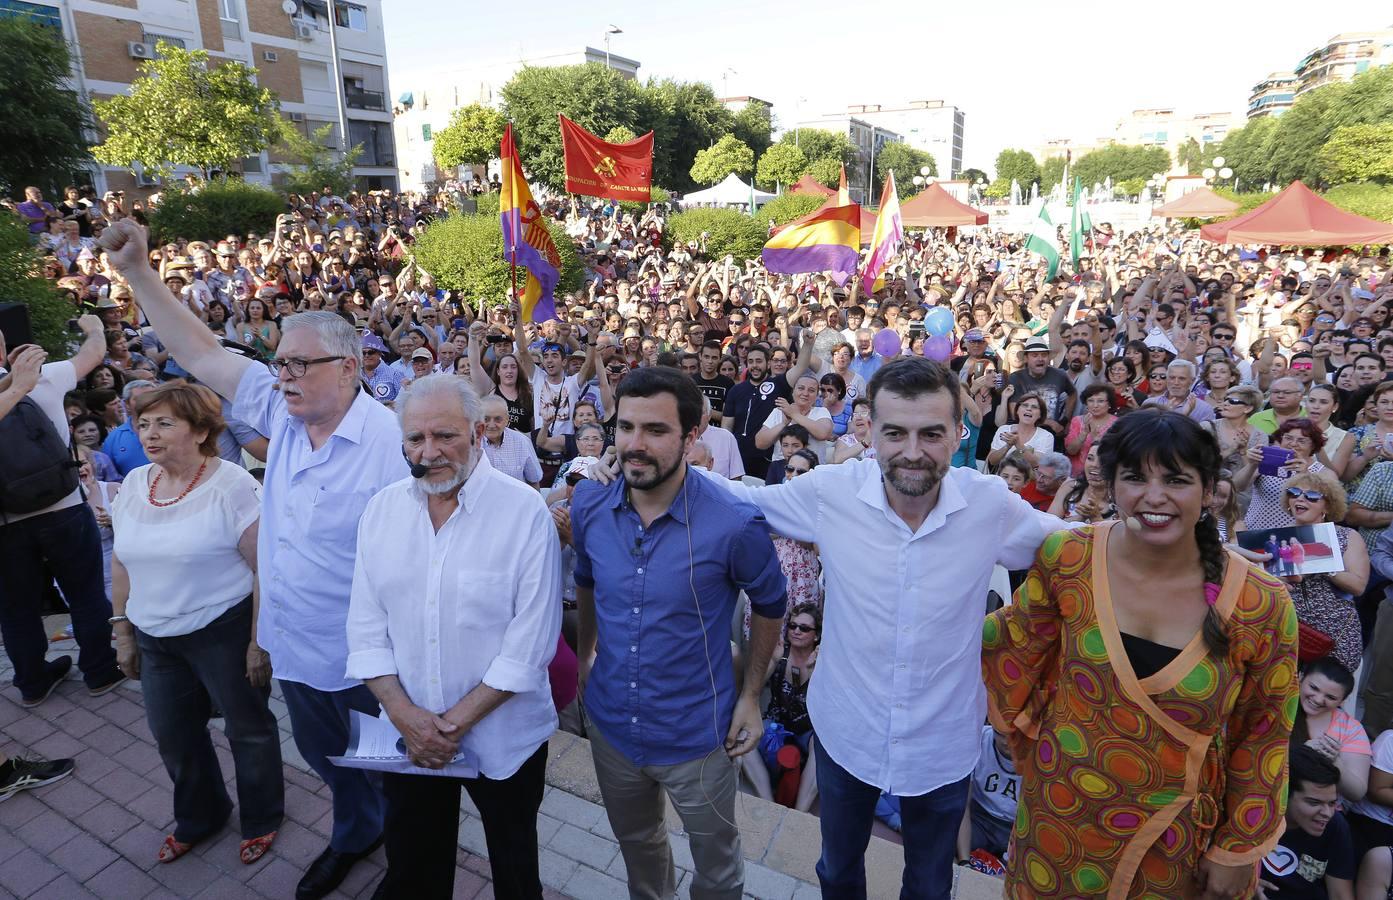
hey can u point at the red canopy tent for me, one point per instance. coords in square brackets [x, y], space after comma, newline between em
[935, 208]
[1297, 216]
[1201, 203]
[810, 185]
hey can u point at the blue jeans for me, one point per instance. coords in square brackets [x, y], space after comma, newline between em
[319, 721]
[64, 545]
[929, 826]
[182, 677]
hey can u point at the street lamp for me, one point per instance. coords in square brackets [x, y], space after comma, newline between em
[918, 181]
[613, 29]
[1226, 173]
[924, 171]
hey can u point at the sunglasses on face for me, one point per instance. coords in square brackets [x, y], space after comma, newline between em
[805, 629]
[1235, 401]
[1313, 496]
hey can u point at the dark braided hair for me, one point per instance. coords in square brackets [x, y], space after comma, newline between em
[1173, 441]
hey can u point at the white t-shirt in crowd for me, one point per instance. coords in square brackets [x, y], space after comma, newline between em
[561, 396]
[1042, 441]
[185, 568]
[725, 452]
[55, 380]
[1383, 761]
[823, 449]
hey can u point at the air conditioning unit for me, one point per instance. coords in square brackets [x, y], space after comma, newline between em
[143, 179]
[140, 50]
[270, 56]
[305, 32]
[296, 116]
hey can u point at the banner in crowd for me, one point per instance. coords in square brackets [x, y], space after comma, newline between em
[526, 241]
[1044, 240]
[828, 242]
[598, 168]
[886, 239]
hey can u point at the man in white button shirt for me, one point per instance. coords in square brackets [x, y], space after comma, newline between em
[332, 446]
[907, 546]
[454, 618]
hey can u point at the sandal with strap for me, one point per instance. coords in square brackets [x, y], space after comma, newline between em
[171, 849]
[255, 848]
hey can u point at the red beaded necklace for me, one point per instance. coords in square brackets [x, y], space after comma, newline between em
[163, 503]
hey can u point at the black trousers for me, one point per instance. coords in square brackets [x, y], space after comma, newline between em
[422, 832]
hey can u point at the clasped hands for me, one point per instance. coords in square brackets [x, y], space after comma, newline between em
[431, 740]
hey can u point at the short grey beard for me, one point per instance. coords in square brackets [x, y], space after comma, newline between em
[441, 488]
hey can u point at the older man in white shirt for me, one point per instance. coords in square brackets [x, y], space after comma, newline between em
[907, 547]
[332, 446]
[454, 618]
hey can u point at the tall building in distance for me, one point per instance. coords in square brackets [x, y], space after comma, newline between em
[930, 125]
[288, 42]
[1165, 127]
[1339, 59]
[868, 139]
[424, 106]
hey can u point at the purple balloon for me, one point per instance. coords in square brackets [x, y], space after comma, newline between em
[886, 342]
[938, 348]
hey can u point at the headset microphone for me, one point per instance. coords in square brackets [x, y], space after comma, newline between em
[417, 469]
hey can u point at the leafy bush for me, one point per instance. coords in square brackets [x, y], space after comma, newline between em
[1247, 201]
[728, 231]
[465, 255]
[786, 207]
[21, 280]
[1372, 200]
[217, 208]
[487, 204]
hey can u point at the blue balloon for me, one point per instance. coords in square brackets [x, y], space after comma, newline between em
[939, 321]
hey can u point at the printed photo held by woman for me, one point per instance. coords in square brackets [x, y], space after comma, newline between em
[1147, 680]
[183, 576]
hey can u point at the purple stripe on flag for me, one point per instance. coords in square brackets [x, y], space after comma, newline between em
[834, 258]
[524, 254]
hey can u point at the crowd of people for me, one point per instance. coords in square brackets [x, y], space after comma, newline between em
[711, 513]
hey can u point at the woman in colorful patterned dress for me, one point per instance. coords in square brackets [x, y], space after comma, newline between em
[1147, 680]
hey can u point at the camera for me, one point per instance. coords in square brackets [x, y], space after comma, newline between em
[496, 338]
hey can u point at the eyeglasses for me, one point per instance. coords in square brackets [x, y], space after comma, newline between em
[296, 367]
[799, 627]
[1313, 496]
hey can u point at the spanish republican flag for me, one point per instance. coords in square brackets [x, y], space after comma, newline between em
[526, 241]
[888, 235]
[827, 242]
[598, 168]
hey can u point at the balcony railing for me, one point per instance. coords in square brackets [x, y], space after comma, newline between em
[356, 99]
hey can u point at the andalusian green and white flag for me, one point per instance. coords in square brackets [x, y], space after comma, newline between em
[1080, 225]
[1044, 241]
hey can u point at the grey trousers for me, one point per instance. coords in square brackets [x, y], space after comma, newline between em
[703, 793]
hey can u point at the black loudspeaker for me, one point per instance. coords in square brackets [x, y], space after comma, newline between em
[14, 325]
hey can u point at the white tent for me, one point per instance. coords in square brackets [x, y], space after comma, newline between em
[731, 192]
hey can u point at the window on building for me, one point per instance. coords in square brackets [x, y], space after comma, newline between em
[376, 140]
[230, 17]
[35, 12]
[425, 133]
[350, 16]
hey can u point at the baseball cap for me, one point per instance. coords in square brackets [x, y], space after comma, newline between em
[1037, 345]
[423, 353]
[373, 342]
[974, 334]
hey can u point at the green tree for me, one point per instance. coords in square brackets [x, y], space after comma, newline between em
[787, 207]
[826, 171]
[595, 97]
[753, 126]
[1247, 152]
[781, 164]
[818, 143]
[727, 155]
[1120, 162]
[1358, 153]
[686, 118]
[727, 231]
[1374, 201]
[43, 118]
[182, 111]
[1131, 187]
[315, 164]
[1051, 173]
[464, 254]
[620, 134]
[1367, 100]
[999, 189]
[21, 280]
[905, 161]
[1301, 132]
[972, 175]
[472, 137]
[1017, 165]
[1191, 156]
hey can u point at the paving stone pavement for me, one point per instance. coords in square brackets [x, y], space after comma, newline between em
[95, 834]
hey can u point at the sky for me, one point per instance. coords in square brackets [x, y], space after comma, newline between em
[1021, 72]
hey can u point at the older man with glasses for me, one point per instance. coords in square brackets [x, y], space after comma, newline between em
[1285, 403]
[331, 449]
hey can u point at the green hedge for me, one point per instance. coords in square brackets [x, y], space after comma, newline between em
[655, 195]
[786, 207]
[728, 231]
[21, 280]
[465, 255]
[1367, 199]
[217, 209]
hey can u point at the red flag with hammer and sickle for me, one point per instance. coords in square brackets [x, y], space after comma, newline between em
[597, 168]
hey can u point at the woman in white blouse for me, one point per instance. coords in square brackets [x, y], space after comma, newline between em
[801, 411]
[183, 576]
[1025, 437]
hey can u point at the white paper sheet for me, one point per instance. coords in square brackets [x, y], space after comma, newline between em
[374, 743]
